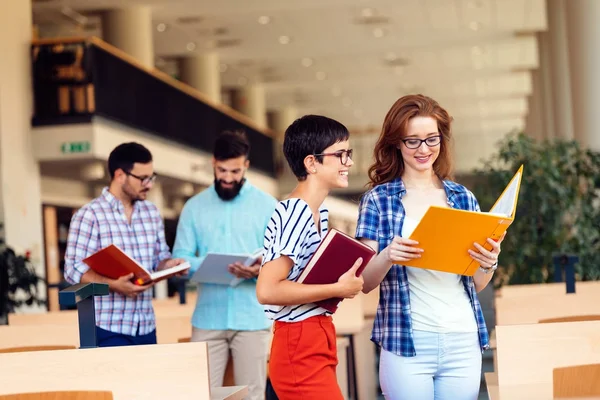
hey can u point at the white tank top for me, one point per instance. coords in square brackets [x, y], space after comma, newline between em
[438, 300]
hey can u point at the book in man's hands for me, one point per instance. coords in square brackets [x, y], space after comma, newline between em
[113, 263]
[446, 234]
[336, 254]
[214, 268]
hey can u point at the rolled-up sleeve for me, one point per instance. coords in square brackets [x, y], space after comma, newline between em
[83, 241]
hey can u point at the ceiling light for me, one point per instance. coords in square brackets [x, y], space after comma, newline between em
[390, 56]
[378, 32]
[367, 12]
[242, 80]
[307, 62]
[191, 46]
[284, 39]
[264, 19]
[223, 67]
[336, 91]
[161, 27]
[474, 25]
[346, 102]
[321, 75]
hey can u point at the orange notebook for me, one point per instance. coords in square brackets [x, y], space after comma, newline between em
[445, 234]
[336, 254]
[113, 263]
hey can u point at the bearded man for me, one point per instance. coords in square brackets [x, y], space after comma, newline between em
[229, 217]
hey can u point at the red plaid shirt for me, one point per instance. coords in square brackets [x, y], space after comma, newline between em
[103, 222]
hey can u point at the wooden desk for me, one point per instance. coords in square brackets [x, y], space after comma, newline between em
[49, 335]
[527, 354]
[132, 372]
[546, 289]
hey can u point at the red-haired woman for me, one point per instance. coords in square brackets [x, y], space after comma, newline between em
[429, 324]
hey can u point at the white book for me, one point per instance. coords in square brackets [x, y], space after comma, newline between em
[214, 268]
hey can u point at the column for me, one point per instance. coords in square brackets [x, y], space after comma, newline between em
[546, 87]
[20, 182]
[534, 122]
[156, 196]
[202, 72]
[130, 29]
[250, 100]
[279, 120]
[584, 63]
[560, 77]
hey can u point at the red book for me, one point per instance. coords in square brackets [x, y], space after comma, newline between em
[113, 263]
[336, 254]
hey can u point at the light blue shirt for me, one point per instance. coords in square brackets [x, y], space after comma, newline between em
[208, 224]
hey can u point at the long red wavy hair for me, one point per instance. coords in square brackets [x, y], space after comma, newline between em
[389, 164]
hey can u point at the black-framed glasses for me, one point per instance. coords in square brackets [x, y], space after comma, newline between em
[344, 155]
[415, 143]
[146, 180]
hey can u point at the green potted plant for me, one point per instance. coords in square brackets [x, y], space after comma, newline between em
[557, 212]
[19, 283]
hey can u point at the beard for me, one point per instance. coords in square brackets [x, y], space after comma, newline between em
[228, 194]
[133, 195]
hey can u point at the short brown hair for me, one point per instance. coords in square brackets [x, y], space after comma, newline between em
[389, 164]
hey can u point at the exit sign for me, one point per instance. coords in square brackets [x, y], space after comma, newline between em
[75, 147]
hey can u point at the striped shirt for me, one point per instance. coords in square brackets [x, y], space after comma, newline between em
[103, 222]
[292, 232]
[381, 217]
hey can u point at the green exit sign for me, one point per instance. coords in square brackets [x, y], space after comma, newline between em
[75, 147]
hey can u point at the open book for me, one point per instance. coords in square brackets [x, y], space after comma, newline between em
[113, 263]
[336, 254]
[214, 268]
[445, 234]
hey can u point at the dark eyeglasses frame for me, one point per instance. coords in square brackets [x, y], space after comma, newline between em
[145, 180]
[347, 154]
[421, 141]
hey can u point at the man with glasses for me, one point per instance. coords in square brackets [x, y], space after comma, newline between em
[121, 215]
[229, 217]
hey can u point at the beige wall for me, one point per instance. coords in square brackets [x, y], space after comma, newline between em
[20, 207]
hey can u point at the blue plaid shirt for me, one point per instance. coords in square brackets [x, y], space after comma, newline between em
[381, 218]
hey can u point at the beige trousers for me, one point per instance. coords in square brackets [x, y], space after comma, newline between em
[249, 350]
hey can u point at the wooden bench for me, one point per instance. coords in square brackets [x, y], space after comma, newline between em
[528, 354]
[178, 371]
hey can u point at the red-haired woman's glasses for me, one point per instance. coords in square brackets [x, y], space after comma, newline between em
[414, 143]
[344, 155]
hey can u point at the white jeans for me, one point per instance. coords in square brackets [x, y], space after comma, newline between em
[447, 367]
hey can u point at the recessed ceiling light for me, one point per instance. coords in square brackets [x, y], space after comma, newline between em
[321, 75]
[161, 27]
[264, 19]
[474, 25]
[378, 32]
[307, 61]
[284, 39]
[367, 12]
[346, 102]
[390, 56]
[223, 67]
[242, 80]
[191, 46]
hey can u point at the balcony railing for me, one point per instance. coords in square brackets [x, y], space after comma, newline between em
[76, 79]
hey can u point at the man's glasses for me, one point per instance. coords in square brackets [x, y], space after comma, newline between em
[344, 155]
[146, 180]
[414, 143]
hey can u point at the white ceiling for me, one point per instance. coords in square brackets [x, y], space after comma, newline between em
[474, 56]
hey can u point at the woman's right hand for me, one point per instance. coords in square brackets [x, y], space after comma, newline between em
[402, 249]
[349, 285]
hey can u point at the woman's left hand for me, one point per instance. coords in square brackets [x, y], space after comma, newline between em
[487, 258]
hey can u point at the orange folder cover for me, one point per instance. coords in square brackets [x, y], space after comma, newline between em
[445, 234]
[113, 263]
